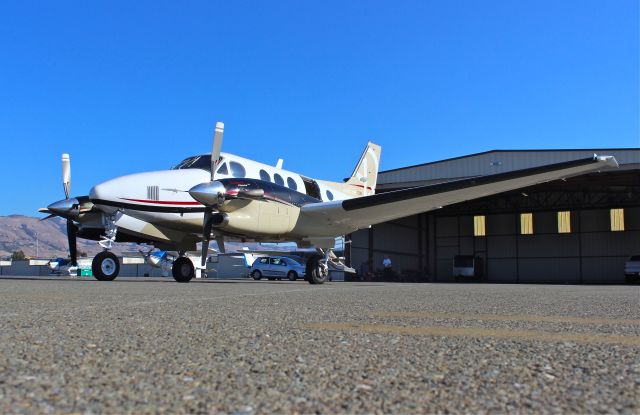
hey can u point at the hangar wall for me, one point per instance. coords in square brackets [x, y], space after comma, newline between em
[422, 247]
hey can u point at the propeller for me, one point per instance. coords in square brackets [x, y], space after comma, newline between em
[207, 224]
[66, 174]
[71, 227]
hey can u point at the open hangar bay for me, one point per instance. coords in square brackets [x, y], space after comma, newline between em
[580, 230]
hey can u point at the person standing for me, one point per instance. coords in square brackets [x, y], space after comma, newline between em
[386, 263]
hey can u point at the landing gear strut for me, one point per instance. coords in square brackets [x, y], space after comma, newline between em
[183, 270]
[317, 270]
[105, 266]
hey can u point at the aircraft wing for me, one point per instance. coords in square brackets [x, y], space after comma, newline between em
[369, 210]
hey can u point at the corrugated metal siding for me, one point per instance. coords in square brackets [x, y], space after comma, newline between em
[498, 162]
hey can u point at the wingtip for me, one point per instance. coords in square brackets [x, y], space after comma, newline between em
[608, 161]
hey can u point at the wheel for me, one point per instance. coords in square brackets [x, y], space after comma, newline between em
[256, 275]
[317, 272]
[182, 269]
[105, 266]
[292, 276]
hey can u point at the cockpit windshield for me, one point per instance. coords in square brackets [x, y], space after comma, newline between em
[195, 162]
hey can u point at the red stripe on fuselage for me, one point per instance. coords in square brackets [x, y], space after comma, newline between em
[163, 202]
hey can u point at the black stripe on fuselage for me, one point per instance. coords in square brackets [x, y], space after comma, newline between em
[421, 191]
[149, 208]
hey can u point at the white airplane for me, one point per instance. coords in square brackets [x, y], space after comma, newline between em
[226, 197]
[61, 266]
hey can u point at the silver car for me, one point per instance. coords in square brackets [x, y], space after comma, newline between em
[277, 267]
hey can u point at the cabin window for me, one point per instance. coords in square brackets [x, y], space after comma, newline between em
[237, 169]
[292, 183]
[617, 220]
[479, 228]
[526, 224]
[329, 195]
[564, 222]
[223, 169]
[265, 176]
[278, 179]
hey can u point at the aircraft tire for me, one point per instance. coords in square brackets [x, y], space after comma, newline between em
[292, 276]
[105, 266]
[314, 272]
[256, 275]
[182, 269]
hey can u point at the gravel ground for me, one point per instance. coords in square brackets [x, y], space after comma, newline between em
[245, 347]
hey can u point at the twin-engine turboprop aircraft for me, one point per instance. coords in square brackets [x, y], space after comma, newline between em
[226, 197]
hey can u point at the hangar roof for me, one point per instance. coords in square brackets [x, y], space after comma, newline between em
[493, 162]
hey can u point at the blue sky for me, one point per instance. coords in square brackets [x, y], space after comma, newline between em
[135, 86]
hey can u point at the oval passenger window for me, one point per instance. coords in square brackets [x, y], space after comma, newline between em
[265, 176]
[292, 183]
[329, 195]
[278, 179]
[237, 170]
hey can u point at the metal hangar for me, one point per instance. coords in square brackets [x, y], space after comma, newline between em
[580, 230]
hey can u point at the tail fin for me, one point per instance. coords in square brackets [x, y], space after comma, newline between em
[365, 174]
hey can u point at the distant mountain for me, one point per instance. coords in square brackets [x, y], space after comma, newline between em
[46, 238]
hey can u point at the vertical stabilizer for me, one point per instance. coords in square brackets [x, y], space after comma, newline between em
[365, 174]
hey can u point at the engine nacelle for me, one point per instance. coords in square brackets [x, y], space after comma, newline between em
[258, 217]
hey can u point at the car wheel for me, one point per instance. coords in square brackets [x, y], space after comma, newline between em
[292, 276]
[256, 275]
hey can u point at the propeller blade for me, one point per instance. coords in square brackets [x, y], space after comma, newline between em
[71, 236]
[47, 217]
[217, 146]
[220, 242]
[206, 235]
[66, 174]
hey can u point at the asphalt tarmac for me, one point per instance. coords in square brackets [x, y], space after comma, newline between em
[245, 347]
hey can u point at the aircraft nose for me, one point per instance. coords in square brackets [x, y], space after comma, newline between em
[65, 208]
[101, 191]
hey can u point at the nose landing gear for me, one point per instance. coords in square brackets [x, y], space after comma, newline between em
[105, 266]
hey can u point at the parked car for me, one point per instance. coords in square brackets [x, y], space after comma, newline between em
[277, 267]
[632, 269]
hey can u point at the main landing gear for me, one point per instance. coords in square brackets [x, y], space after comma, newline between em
[105, 266]
[183, 270]
[317, 270]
